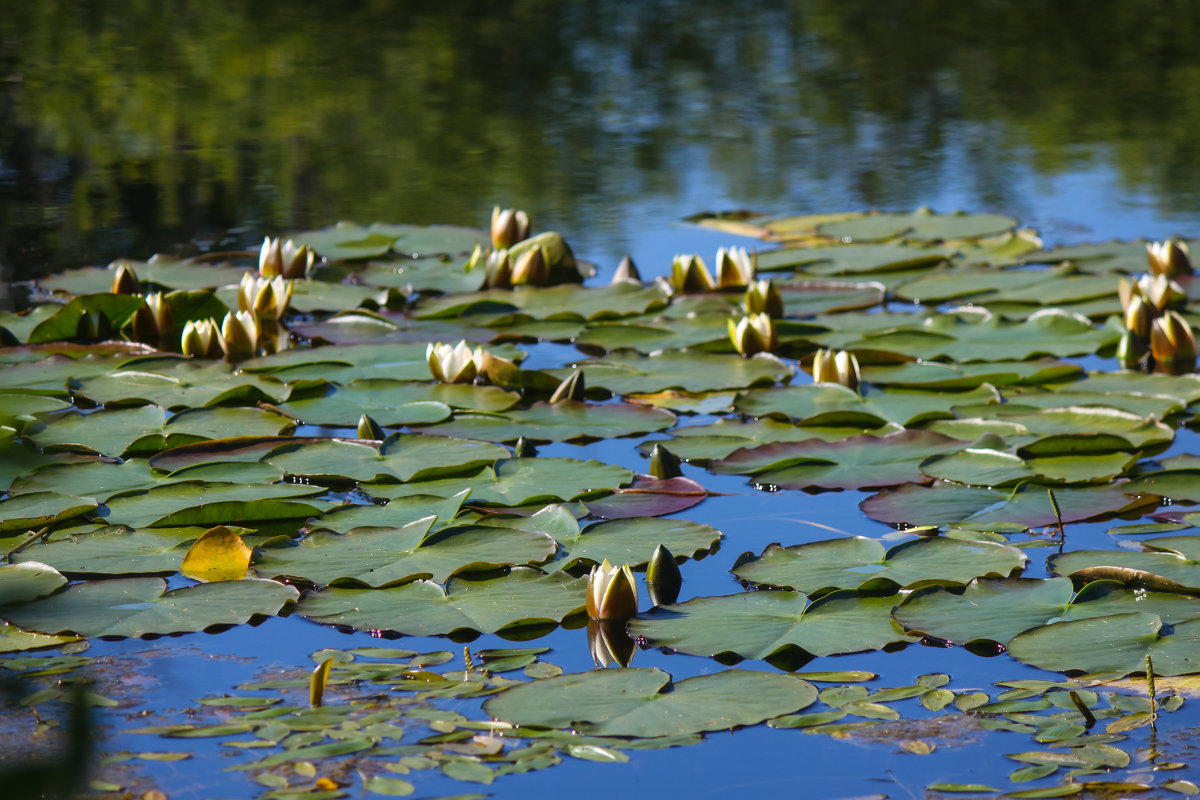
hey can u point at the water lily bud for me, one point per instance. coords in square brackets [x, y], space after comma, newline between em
[531, 268]
[452, 363]
[125, 281]
[847, 369]
[1161, 292]
[524, 448]
[609, 643]
[1169, 258]
[611, 592]
[266, 298]
[296, 261]
[689, 274]
[823, 368]
[508, 227]
[664, 463]
[763, 297]
[663, 579]
[1172, 342]
[571, 388]
[752, 334]
[1130, 350]
[93, 325]
[239, 336]
[496, 370]
[199, 339]
[270, 258]
[627, 271]
[499, 270]
[1138, 316]
[734, 268]
[369, 429]
[145, 329]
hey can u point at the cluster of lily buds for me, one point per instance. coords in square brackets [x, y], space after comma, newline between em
[836, 366]
[689, 274]
[753, 333]
[1152, 326]
[509, 226]
[763, 297]
[153, 320]
[611, 592]
[266, 298]
[734, 268]
[453, 363]
[1159, 291]
[200, 339]
[1169, 258]
[287, 259]
[1173, 344]
[125, 281]
[237, 337]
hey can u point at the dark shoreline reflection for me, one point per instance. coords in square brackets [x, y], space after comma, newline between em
[126, 129]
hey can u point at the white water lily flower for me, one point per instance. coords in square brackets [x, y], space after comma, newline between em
[836, 366]
[200, 339]
[689, 274]
[753, 333]
[611, 592]
[266, 298]
[288, 259]
[153, 320]
[1169, 258]
[734, 268]
[239, 335]
[457, 363]
[763, 297]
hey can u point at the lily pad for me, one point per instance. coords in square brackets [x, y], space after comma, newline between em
[401, 457]
[1117, 643]
[637, 702]
[139, 606]
[28, 581]
[765, 624]
[625, 372]
[564, 421]
[522, 598]
[861, 563]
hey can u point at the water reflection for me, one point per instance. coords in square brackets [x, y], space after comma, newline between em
[125, 130]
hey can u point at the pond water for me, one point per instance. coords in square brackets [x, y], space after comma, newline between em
[126, 131]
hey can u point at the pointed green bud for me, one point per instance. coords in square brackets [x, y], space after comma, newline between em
[1130, 350]
[531, 268]
[663, 578]
[664, 463]
[570, 389]
[369, 429]
[524, 448]
[125, 281]
[93, 325]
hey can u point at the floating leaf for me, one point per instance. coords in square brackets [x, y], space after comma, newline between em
[218, 555]
[633, 702]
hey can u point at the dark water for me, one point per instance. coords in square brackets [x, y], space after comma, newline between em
[137, 127]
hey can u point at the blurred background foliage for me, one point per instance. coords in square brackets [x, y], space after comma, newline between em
[139, 126]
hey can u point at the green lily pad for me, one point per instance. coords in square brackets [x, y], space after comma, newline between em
[1029, 506]
[858, 562]
[1117, 643]
[1180, 564]
[853, 259]
[402, 457]
[765, 624]
[986, 467]
[637, 702]
[920, 225]
[997, 609]
[114, 550]
[211, 503]
[934, 376]
[381, 557]
[139, 606]
[391, 402]
[852, 463]
[28, 581]
[830, 404]
[558, 302]
[702, 443]
[396, 514]
[564, 421]
[522, 598]
[107, 432]
[625, 372]
[118, 309]
[24, 512]
[175, 383]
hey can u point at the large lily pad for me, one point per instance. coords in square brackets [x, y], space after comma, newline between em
[625, 372]
[1115, 643]
[771, 623]
[853, 463]
[24, 512]
[114, 550]
[564, 421]
[28, 581]
[380, 557]
[921, 225]
[140, 606]
[830, 404]
[637, 702]
[522, 598]
[402, 457]
[211, 503]
[858, 562]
